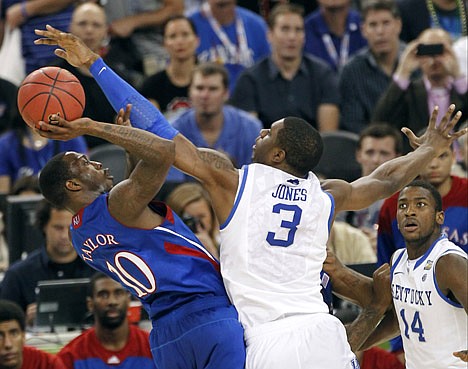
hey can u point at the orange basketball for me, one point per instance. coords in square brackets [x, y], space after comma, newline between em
[50, 90]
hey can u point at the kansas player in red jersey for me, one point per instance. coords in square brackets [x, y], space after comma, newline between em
[145, 246]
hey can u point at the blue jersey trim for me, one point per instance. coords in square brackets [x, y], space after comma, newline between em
[426, 254]
[238, 198]
[442, 296]
[332, 211]
[394, 265]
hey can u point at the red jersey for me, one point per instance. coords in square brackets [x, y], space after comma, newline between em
[90, 353]
[37, 359]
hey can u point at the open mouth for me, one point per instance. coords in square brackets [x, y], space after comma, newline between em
[410, 225]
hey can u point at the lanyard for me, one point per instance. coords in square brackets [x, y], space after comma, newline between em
[341, 59]
[241, 55]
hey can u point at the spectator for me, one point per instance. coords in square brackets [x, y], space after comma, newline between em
[13, 352]
[288, 82]
[377, 144]
[168, 89]
[211, 123]
[230, 35]
[332, 32]
[408, 102]
[24, 152]
[193, 204]
[112, 341]
[8, 93]
[381, 25]
[419, 15]
[57, 260]
[135, 27]
[35, 14]
[90, 24]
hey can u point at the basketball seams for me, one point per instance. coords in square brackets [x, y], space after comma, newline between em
[50, 90]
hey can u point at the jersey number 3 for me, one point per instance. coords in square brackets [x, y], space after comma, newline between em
[290, 225]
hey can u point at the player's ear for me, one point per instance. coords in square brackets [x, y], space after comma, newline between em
[278, 155]
[440, 216]
[73, 185]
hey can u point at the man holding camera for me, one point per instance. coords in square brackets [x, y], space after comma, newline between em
[407, 102]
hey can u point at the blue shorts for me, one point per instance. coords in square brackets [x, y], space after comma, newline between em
[204, 334]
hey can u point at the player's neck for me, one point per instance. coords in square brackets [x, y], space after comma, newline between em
[419, 247]
[113, 339]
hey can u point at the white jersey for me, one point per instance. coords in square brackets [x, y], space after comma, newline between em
[432, 326]
[273, 245]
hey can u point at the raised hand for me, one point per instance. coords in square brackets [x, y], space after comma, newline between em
[123, 116]
[72, 49]
[439, 137]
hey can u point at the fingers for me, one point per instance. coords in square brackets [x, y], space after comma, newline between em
[445, 121]
[449, 127]
[433, 118]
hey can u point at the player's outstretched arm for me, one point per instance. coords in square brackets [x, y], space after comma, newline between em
[347, 283]
[129, 199]
[372, 313]
[212, 168]
[394, 174]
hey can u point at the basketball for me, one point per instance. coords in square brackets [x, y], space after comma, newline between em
[50, 90]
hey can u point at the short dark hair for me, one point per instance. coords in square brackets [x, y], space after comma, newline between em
[179, 17]
[281, 9]
[52, 179]
[433, 191]
[302, 143]
[375, 5]
[43, 212]
[382, 130]
[92, 283]
[10, 310]
[211, 69]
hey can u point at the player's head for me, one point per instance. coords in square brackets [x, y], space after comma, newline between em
[12, 333]
[72, 176]
[419, 212]
[292, 142]
[108, 301]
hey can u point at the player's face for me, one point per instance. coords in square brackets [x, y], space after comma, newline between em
[179, 39]
[12, 340]
[208, 94]
[58, 243]
[266, 141]
[438, 170]
[381, 29]
[109, 303]
[91, 173]
[89, 24]
[374, 152]
[416, 215]
[287, 36]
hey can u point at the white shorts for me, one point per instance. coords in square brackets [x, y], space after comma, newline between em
[312, 341]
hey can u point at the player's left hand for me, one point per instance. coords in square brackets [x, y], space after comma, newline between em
[123, 116]
[73, 49]
[463, 355]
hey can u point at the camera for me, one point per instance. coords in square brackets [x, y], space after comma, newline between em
[430, 49]
[191, 222]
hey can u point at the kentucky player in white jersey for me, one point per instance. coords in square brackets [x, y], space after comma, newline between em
[429, 285]
[271, 259]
